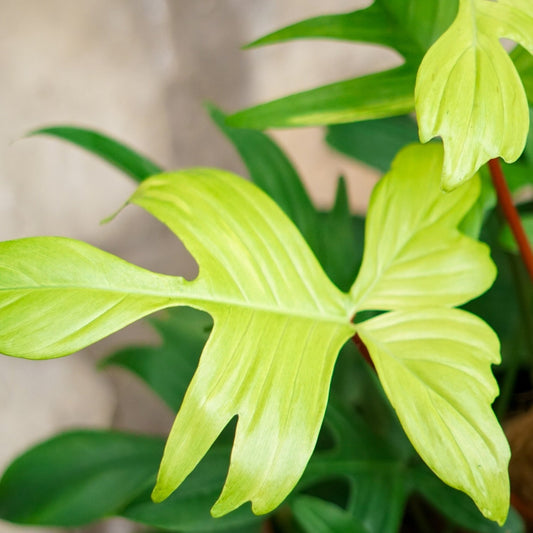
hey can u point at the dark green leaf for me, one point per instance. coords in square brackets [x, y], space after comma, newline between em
[523, 61]
[374, 142]
[168, 368]
[318, 516]
[458, 507]
[78, 477]
[119, 155]
[507, 240]
[499, 306]
[377, 95]
[409, 27]
[372, 466]
[188, 508]
[372, 25]
[341, 241]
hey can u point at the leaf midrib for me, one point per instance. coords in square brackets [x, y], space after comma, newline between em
[191, 299]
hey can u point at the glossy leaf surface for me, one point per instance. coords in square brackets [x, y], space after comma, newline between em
[469, 92]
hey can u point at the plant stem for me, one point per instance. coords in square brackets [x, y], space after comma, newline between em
[363, 350]
[267, 527]
[511, 214]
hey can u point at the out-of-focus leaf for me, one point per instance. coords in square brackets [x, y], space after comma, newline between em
[458, 507]
[168, 368]
[523, 62]
[499, 306]
[373, 96]
[318, 516]
[424, 259]
[507, 240]
[374, 469]
[341, 240]
[468, 91]
[472, 223]
[187, 510]
[118, 154]
[78, 477]
[374, 142]
[408, 26]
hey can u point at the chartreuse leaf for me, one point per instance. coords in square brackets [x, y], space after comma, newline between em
[423, 259]
[43, 277]
[279, 324]
[433, 361]
[410, 27]
[119, 155]
[439, 382]
[469, 92]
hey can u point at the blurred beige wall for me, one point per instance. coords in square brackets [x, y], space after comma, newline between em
[139, 70]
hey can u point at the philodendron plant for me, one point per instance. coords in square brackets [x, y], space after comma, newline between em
[287, 287]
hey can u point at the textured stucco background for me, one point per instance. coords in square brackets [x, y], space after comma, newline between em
[138, 70]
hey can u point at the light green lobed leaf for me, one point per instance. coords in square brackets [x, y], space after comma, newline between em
[279, 323]
[58, 295]
[271, 354]
[434, 362]
[414, 254]
[434, 365]
[469, 92]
